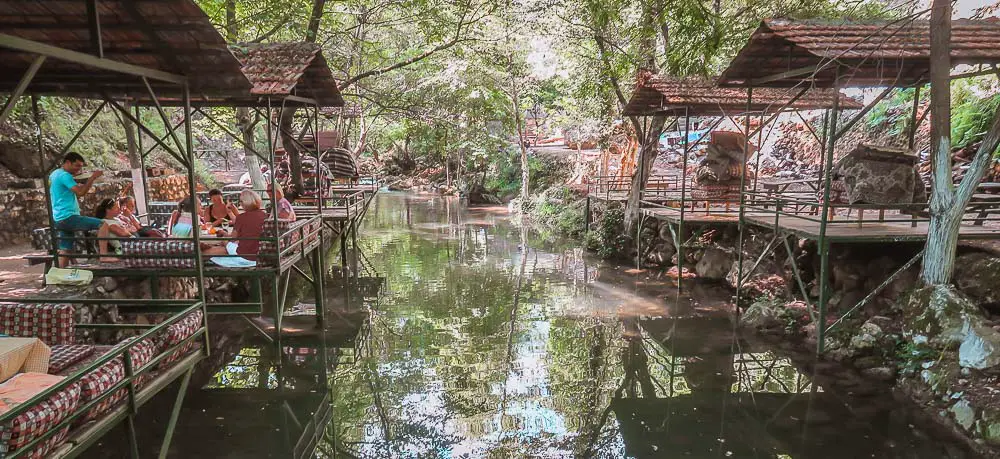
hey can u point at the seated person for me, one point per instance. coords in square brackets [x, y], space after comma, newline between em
[187, 221]
[250, 225]
[127, 216]
[285, 210]
[108, 211]
[173, 218]
[131, 221]
[219, 211]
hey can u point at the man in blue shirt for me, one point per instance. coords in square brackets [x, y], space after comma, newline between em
[64, 192]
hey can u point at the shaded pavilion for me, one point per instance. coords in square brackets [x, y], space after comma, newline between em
[784, 53]
[113, 51]
[283, 76]
[683, 98]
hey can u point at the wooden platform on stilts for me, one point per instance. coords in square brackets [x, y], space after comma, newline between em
[714, 215]
[841, 231]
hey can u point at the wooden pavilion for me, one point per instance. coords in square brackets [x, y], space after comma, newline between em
[683, 98]
[785, 53]
[110, 51]
[154, 54]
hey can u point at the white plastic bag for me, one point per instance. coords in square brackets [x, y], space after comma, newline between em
[63, 276]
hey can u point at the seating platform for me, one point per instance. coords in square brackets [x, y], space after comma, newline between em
[714, 215]
[96, 377]
[841, 231]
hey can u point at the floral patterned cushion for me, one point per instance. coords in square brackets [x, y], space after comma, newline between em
[99, 381]
[289, 233]
[38, 420]
[178, 332]
[51, 323]
[65, 355]
[147, 250]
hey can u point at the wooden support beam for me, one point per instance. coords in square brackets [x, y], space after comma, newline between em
[784, 75]
[94, 29]
[21, 87]
[34, 47]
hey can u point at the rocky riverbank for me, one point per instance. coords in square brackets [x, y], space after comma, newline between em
[944, 359]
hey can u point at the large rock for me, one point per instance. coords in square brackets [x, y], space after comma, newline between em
[964, 414]
[867, 338]
[989, 425]
[978, 276]
[947, 318]
[714, 264]
[980, 348]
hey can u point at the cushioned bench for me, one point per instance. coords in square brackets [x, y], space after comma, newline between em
[54, 324]
[41, 239]
[179, 254]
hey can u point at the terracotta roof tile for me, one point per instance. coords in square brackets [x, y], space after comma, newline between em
[281, 69]
[874, 53]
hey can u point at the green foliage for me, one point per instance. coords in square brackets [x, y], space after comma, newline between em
[557, 211]
[911, 357]
[891, 116]
[608, 239]
[973, 105]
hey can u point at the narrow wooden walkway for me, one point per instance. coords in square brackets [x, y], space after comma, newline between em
[851, 231]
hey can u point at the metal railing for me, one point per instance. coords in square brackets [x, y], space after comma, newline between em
[805, 206]
[130, 382]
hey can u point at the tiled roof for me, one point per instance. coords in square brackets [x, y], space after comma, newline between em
[173, 36]
[659, 94]
[875, 53]
[281, 69]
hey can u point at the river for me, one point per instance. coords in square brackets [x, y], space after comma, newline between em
[486, 341]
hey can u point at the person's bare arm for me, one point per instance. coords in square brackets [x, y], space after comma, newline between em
[82, 189]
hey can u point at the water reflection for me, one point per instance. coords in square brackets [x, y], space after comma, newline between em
[489, 343]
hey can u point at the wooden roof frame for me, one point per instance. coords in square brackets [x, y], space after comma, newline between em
[117, 48]
[311, 84]
[699, 96]
[825, 54]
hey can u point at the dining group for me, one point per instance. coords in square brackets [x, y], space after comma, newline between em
[235, 227]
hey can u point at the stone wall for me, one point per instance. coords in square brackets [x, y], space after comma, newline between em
[22, 210]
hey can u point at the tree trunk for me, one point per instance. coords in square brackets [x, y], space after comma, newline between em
[246, 127]
[314, 19]
[243, 121]
[135, 164]
[292, 149]
[942, 233]
[644, 166]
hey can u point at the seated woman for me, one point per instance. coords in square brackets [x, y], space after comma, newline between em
[219, 211]
[108, 211]
[248, 227]
[131, 220]
[127, 216]
[188, 221]
[285, 210]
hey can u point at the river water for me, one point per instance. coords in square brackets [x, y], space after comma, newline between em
[485, 341]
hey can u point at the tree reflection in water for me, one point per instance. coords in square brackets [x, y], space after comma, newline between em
[492, 344]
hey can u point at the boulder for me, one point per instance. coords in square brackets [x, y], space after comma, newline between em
[867, 338]
[989, 426]
[948, 318]
[978, 276]
[762, 315]
[714, 264]
[964, 414]
[980, 348]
